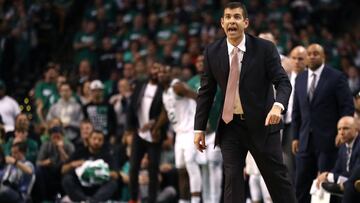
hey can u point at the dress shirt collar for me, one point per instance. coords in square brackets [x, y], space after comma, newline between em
[317, 71]
[351, 144]
[241, 46]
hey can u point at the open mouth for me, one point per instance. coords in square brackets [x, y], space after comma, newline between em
[232, 30]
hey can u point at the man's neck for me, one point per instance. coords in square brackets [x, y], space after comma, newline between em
[237, 41]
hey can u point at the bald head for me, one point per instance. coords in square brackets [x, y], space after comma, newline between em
[267, 36]
[299, 57]
[316, 56]
[347, 129]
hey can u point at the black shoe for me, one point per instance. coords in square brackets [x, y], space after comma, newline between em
[332, 188]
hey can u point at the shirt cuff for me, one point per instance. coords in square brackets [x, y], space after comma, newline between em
[198, 131]
[280, 105]
[330, 177]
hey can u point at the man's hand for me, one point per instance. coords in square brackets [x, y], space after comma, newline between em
[274, 116]
[60, 143]
[10, 160]
[321, 178]
[46, 162]
[155, 135]
[147, 126]
[295, 146]
[338, 140]
[75, 164]
[199, 141]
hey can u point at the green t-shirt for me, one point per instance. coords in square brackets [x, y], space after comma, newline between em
[31, 152]
[194, 84]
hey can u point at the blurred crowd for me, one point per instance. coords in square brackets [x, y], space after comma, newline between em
[69, 68]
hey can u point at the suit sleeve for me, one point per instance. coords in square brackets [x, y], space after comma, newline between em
[344, 97]
[296, 115]
[205, 96]
[278, 76]
[339, 161]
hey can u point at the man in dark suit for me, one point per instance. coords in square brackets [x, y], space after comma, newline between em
[144, 111]
[348, 155]
[246, 68]
[322, 97]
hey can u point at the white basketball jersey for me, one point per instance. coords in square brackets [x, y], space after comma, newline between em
[180, 110]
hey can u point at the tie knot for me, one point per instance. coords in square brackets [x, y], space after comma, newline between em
[235, 50]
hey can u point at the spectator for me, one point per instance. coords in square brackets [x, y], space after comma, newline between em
[68, 110]
[21, 135]
[52, 155]
[121, 103]
[9, 109]
[43, 91]
[71, 183]
[18, 175]
[100, 113]
[86, 127]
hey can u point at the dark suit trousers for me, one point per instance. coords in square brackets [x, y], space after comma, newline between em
[235, 142]
[289, 158]
[138, 149]
[308, 164]
[350, 193]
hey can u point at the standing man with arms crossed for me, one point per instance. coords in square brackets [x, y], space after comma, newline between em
[250, 119]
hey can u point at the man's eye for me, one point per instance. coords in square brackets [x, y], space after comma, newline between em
[237, 17]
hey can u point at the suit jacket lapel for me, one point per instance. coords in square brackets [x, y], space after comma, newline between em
[304, 91]
[247, 58]
[320, 84]
[224, 59]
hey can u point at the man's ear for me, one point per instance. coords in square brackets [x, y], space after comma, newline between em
[246, 23]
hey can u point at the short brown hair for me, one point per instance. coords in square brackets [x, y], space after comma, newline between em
[233, 5]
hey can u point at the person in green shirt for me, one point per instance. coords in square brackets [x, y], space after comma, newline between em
[21, 135]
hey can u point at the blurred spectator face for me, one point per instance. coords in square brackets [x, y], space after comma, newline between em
[84, 68]
[17, 153]
[234, 23]
[186, 74]
[86, 88]
[51, 75]
[97, 95]
[347, 129]
[85, 130]
[268, 36]
[138, 22]
[65, 91]
[186, 59]
[164, 75]
[56, 134]
[199, 64]
[316, 56]
[54, 122]
[20, 135]
[106, 43]
[96, 141]
[60, 80]
[153, 71]
[129, 71]
[101, 14]
[353, 73]
[123, 86]
[22, 121]
[299, 57]
[90, 27]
